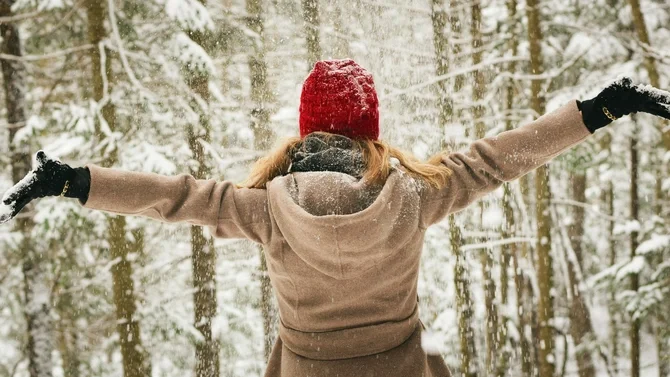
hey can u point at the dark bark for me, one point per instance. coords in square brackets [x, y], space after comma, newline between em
[40, 327]
[634, 243]
[581, 330]
[263, 137]
[464, 303]
[543, 197]
[135, 360]
[310, 13]
[203, 255]
[441, 45]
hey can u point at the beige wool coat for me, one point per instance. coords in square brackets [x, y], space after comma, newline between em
[343, 257]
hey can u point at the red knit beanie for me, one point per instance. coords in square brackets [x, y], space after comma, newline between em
[339, 97]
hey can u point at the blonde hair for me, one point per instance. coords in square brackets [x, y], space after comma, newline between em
[376, 156]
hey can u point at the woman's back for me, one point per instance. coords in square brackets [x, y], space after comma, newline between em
[354, 269]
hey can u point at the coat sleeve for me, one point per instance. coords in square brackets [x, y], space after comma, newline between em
[229, 211]
[502, 158]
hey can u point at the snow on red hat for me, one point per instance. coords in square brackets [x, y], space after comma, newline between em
[339, 97]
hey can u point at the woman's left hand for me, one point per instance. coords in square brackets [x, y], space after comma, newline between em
[621, 98]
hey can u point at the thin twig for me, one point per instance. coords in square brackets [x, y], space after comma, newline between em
[11, 126]
[119, 43]
[32, 58]
[454, 73]
[56, 83]
[490, 244]
[20, 17]
[587, 207]
[61, 22]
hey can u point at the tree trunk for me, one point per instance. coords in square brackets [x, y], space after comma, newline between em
[461, 279]
[492, 328]
[509, 252]
[463, 304]
[544, 256]
[580, 316]
[613, 308]
[643, 36]
[135, 361]
[40, 327]
[203, 255]
[455, 23]
[634, 279]
[341, 46]
[68, 334]
[654, 79]
[310, 13]
[134, 358]
[441, 45]
[263, 136]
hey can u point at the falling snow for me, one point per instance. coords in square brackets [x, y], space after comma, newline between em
[196, 81]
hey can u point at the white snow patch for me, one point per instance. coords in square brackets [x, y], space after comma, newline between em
[430, 343]
[659, 95]
[635, 266]
[5, 212]
[657, 242]
[41, 5]
[26, 181]
[627, 228]
[665, 185]
[492, 218]
[192, 55]
[34, 123]
[190, 14]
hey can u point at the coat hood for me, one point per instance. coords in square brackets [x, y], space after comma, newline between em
[338, 224]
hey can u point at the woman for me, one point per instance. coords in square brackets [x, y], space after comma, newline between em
[342, 215]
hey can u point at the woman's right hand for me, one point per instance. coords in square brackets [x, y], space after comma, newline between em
[50, 178]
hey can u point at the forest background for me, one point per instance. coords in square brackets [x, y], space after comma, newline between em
[563, 273]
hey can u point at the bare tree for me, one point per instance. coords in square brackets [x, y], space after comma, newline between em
[581, 330]
[35, 273]
[511, 251]
[461, 279]
[634, 243]
[310, 12]
[135, 361]
[543, 197]
[263, 137]
[203, 255]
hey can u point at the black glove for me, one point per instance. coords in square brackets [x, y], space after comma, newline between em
[50, 178]
[622, 98]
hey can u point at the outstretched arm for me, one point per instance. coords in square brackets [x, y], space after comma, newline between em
[505, 157]
[491, 161]
[231, 212]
